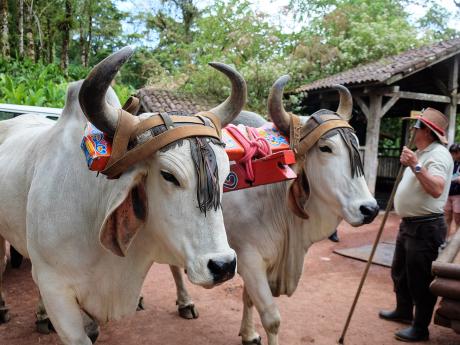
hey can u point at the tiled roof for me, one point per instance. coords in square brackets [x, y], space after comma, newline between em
[154, 100]
[384, 69]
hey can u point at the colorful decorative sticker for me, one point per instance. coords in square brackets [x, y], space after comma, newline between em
[231, 181]
[97, 148]
[230, 143]
[100, 143]
[272, 135]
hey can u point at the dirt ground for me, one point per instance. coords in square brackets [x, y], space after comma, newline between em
[315, 314]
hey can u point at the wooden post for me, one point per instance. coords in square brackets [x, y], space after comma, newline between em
[372, 140]
[373, 114]
[451, 110]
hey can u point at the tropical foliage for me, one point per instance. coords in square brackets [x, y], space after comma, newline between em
[47, 43]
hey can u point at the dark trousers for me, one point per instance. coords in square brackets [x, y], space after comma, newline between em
[416, 248]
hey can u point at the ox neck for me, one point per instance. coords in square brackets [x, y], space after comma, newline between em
[321, 224]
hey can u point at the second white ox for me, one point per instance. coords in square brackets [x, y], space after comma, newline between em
[58, 213]
[270, 239]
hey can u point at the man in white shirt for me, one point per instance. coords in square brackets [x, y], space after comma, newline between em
[420, 200]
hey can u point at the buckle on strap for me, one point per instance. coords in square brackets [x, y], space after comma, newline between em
[167, 120]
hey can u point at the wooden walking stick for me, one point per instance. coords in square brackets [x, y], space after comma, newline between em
[376, 242]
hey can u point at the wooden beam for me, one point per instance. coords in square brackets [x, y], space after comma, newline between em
[452, 107]
[380, 90]
[420, 96]
[453, 76]
[362, 105]
[391, 102]
[433, 60]
[395, 78]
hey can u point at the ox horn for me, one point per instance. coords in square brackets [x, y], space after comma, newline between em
[276, 109]
[346, 102]
[232, 106]
[94, 88]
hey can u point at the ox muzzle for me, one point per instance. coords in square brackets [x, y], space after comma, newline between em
[222, 270]
[369, 212]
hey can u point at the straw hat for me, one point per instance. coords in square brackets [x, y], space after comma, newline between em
[434, 120]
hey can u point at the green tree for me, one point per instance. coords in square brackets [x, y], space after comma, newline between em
[4, 36]
[173, 23]
[434, 24]
[230, 32]
[345, 33]
[236, 34]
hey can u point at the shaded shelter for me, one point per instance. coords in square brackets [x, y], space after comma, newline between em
[392, 87]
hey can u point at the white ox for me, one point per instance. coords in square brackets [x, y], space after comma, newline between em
[58, 213]
[269, 239]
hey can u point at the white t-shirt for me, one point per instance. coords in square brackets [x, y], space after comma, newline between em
[411, 199]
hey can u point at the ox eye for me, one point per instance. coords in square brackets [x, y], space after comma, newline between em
[170, 177]
[325, 149]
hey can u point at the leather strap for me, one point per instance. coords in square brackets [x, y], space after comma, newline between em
[126, 125]
[309, 139]
[149, 147]
[294, 136]
[294, 193]
[214, 119]
[154, 121]
[167, 120]
[132, 105]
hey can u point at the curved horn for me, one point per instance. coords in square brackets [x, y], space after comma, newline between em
[346, 102]
[94, 88]
[275, 105]
[232, 106]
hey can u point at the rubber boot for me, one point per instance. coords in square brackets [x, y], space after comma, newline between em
[403, 312]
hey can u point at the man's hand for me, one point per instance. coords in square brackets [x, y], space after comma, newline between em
[408, 157]
[433, 185]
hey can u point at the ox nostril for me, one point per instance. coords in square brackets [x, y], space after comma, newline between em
[222, 270]
[369, 212]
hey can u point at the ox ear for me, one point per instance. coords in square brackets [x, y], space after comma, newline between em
[298, 194]
[127, 213]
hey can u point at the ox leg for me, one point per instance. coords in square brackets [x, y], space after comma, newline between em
[42, 323]
[185, 305]
[140, 303]
[247, 330]
[258, 290]
[91, 327]
[4, 313]
[64, 311]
